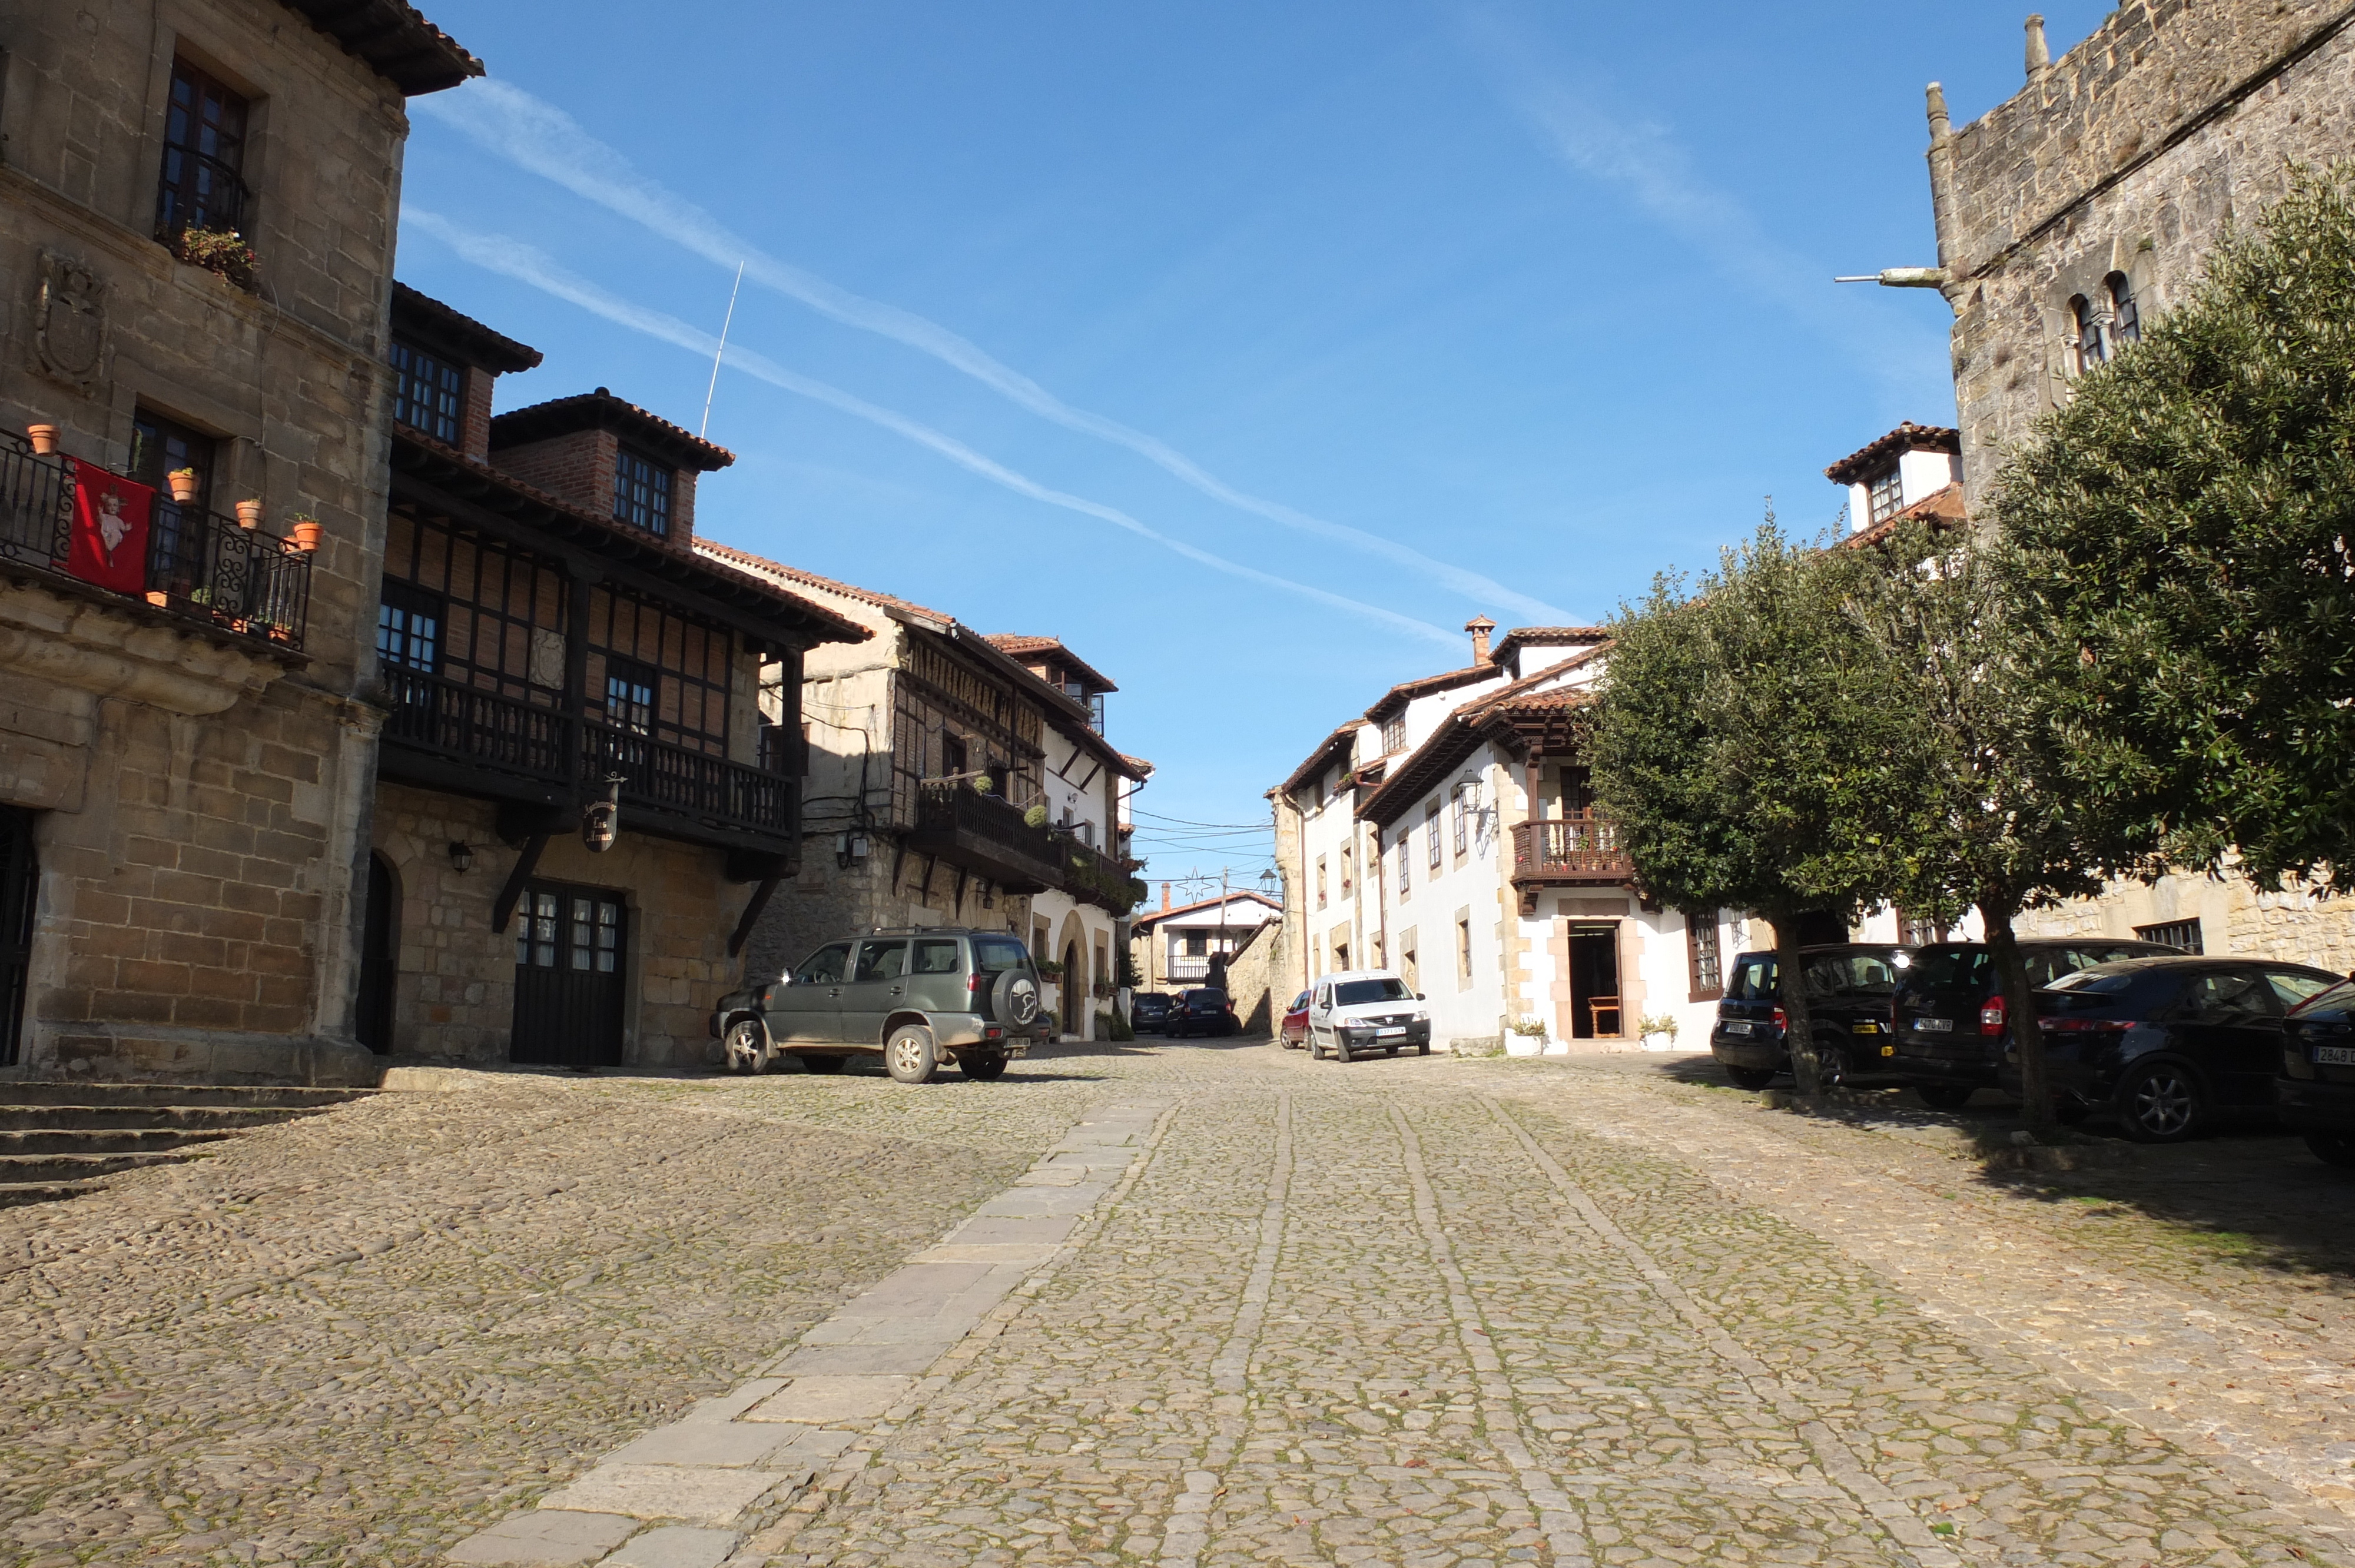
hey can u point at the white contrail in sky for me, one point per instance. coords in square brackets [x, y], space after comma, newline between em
[528, 264]
[537, 136]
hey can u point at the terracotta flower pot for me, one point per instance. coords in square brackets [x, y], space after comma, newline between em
[184, 487]
[249, 514]
[44, 439]
[306, 532]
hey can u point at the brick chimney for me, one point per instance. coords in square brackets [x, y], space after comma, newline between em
[1165, 895]
[1479, 626]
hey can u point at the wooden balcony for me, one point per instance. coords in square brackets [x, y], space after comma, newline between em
[444, 734]
[1579, 851]
[985, 835]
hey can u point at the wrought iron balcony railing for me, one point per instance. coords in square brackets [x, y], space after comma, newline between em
[199, 565]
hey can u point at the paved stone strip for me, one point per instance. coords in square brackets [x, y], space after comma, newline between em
[1188, 1526]
[686, 1495]
[1558, 1516]
[1839, 1461]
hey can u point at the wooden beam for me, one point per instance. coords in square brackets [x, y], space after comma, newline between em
[526, 863]
[752, 907]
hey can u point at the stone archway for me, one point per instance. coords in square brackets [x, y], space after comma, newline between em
[1075, 966]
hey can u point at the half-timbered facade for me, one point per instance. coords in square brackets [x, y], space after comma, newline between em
[951, 784]
[582, 806]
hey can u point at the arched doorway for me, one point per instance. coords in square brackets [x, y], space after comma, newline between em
[1074, 977]
[379, 957]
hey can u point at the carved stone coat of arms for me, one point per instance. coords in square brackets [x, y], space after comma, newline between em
[69, 322]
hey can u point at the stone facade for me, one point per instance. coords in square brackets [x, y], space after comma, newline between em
[2127, 157]
[198, 794]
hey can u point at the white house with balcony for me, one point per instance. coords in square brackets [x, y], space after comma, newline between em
[1173, 944]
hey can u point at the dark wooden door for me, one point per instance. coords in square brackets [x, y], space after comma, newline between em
[571, 969]
[379, 958]
[20, 886]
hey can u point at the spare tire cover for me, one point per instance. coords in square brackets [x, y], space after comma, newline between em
[1015, 998]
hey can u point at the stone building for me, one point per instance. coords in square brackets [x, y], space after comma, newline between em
[2086, 206]
[950, 783]
[200, 205]
[2068, 214]
[551, 642]
[1173, 946]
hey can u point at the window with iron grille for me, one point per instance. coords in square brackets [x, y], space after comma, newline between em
[428, 394]
[2183, 934]
[1704, 962]
[1914, 931]
[641, 492]
[204, 147]
[1887, 494]
[409, 627]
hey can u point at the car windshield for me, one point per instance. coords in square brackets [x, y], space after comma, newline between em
[1948, 969]
[1352, 994]
[2337, 998]
[1754, 978]
[995, 955]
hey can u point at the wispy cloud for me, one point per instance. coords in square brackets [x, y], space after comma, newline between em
[538, 137]
[529, 264]
[1573, 118]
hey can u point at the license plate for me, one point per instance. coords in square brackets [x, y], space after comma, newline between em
[1380, 1034]
[1735, 1026]
[2335, 1056]
[1866, 1028]
[1934, 1025]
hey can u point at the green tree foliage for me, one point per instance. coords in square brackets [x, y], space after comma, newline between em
[1740, 744]
[2187, 524]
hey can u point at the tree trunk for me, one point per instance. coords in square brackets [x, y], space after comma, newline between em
[2019, 1014]
[1800, 1029]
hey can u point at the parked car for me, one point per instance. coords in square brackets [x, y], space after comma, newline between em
[1365, 1010]
[2170, 1045]
[1202, 1011]
[1947, 1018]
[1294, 1031]
[917, 997]
[1849, 985]
[2316, 1090]
[1148, 1011]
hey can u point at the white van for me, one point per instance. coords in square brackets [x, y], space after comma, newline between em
[1360, 1011]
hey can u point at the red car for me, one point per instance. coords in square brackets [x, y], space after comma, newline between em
[1294, 1031]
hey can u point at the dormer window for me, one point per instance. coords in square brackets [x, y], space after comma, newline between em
[428, 394]
[1887, 496]
[1394, 735]
[641, 492]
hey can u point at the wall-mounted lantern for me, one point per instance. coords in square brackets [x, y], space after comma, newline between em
[461, 855]
[600, 820]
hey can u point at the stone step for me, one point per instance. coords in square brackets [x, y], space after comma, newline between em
[192, 1119]
[245, 1095]
[14, 1194]
[22, 1168]
[106, 1140]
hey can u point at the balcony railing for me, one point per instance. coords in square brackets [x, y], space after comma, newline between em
[988, 834]
[199, 565]
[563, 753]
[1579, 848]
[1098, 878]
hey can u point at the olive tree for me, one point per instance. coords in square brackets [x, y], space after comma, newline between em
[1739, 744]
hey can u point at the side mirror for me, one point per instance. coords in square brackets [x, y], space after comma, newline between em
[1418, 996]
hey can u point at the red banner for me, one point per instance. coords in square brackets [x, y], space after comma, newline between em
[110, 529]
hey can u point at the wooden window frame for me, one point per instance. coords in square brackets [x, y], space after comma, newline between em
[502, 605]
[206, 123]
[429, 392]
[641, 491]
[1702, 956]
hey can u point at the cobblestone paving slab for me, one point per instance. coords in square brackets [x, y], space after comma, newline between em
[361, 1337]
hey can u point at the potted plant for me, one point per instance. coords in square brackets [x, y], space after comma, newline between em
[305, 531]
[249, 514]
[1530, 1035]
[1049, 969]
[1036, 817]
[220, 251]
[1659, 1029]
[44, 439]
[184, 483]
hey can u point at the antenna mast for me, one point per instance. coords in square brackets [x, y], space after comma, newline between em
[704, 428]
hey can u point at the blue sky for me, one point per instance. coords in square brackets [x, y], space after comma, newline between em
[1250, 349]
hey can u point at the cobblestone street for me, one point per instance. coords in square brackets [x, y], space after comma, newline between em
[1421, 1311]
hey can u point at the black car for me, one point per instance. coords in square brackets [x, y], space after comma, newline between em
[1148, 1011]
[2170, 1045]
[1848, 988]
[1201, 1011]
[1947, 1019]
[2316, 1090]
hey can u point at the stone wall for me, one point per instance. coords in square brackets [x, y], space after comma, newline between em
[2130, 155]
[2296, 925]
[200, 801]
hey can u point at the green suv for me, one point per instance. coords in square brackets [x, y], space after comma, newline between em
[919, 998]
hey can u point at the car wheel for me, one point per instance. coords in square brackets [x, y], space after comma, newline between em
[2161, 1102]
[824, 1066]
[2333, 1149]
[1831, 1065]
[986, 1065]
[1341, 1049]
[1315, 1050]
[911, 1055]
[748, 1046]
[1423, 1049]
[1945, 1097]
[1750, 1078]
